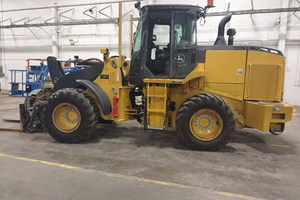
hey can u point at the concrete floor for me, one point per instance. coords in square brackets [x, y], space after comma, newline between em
[125, 162]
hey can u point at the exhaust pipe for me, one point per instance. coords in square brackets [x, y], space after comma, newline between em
[221, 30]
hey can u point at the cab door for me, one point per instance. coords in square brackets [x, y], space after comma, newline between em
[184, 42]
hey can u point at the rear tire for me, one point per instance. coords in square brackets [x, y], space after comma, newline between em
[70, 116]
[205, 122]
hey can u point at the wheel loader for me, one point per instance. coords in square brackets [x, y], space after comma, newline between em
[171, 82]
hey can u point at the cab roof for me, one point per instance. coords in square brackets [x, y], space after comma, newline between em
[172, 7]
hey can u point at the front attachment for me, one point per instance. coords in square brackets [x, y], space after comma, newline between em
[32, 111]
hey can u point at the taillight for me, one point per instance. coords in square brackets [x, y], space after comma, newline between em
[115, 106]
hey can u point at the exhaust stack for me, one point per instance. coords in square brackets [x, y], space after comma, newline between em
[221, 30]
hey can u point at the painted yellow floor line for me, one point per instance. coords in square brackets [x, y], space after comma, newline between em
[134, 178]
[280, 145]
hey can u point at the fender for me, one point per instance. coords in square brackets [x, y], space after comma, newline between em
[99, 93]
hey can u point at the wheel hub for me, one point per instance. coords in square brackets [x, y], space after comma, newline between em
[71, 115]
[206, 124]
[66, 117]
[203, 122]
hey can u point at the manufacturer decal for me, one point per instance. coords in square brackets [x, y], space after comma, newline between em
[180, 58]
[239, 72]
[104, 76]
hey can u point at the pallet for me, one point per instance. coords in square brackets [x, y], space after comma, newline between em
[12, 120]
[10, 129]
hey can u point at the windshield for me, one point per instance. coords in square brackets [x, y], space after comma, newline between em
[138, 37]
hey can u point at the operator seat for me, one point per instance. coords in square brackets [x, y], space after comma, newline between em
[162, 58]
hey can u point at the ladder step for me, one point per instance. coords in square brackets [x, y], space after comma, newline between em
[157, 96]
[156, 111]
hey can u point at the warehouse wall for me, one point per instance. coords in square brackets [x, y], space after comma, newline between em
[20, 44]
[260, 29]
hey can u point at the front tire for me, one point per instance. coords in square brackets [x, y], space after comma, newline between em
[70, 116]
[205, 122]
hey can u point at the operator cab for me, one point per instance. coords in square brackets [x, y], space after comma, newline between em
[165, 42]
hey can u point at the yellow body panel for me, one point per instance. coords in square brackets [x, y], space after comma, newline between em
[110, 81]
[259, 114]
[126, 112]
[223, 66]
[264, 76]
[234, 90]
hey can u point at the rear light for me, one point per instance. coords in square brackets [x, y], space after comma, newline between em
[115, 106]
[210, 3]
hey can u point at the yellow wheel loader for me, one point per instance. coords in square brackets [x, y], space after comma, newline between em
[171, 82]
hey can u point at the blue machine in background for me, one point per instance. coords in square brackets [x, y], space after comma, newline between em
[34, 77]
[18, 82]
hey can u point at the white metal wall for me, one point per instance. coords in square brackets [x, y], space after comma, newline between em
[277, 30]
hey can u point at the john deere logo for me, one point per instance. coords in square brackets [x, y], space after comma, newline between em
[180, 58]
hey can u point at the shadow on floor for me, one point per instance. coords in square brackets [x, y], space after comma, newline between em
[263, 142]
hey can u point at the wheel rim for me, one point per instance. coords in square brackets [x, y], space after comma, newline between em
[66, 117]
[206, 124]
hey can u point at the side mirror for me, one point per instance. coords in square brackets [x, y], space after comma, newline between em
[137, 5]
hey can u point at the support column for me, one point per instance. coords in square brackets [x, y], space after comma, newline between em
[283, 26]
[120, 29]
[131, 34]
[3, 70]
[120, 32]
[55, 35]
